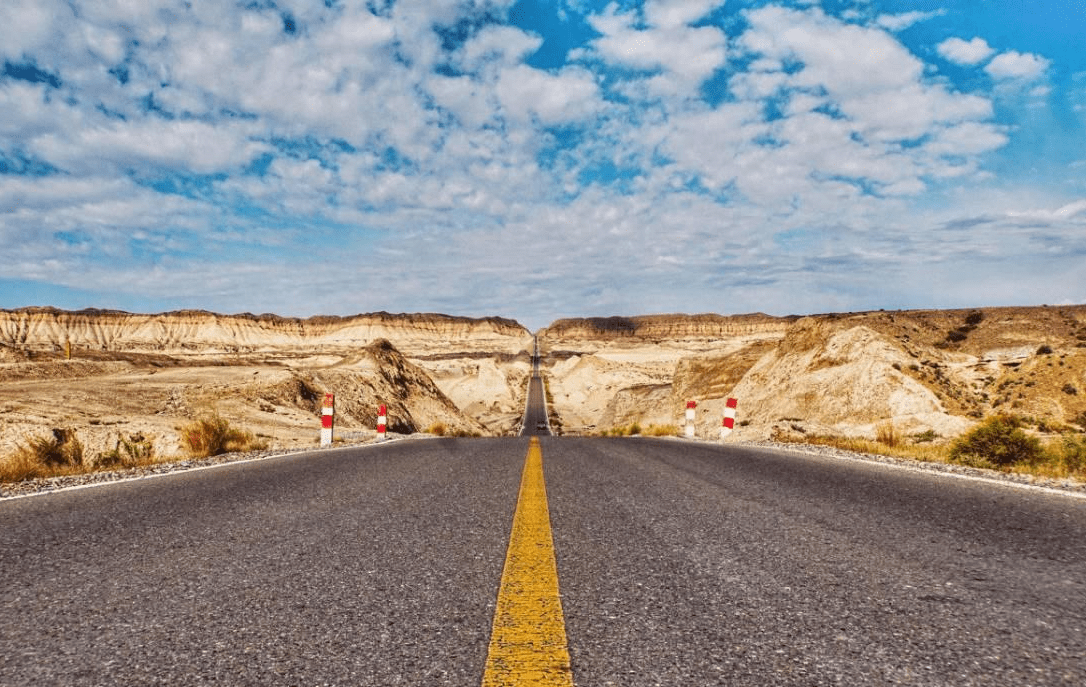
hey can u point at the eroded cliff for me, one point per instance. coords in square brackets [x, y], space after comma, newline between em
[847, 374]
[193, 332]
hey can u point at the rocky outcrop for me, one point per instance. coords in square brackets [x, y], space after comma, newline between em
[280, 402]
[843, 374]
[575, 334]
[200, 332]
[841, 381]
[380, 374]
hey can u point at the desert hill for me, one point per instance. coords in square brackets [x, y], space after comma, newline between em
[582, 333]
[847, 374]
[194, 332]
[934, 372]
[109, 374]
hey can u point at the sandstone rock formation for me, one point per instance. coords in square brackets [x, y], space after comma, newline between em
[198, 332]
[845, 374]
[152, 374]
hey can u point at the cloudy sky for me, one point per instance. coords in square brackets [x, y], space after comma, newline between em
[541, 158]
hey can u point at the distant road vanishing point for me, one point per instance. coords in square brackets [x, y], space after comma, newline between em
[535, 422]
[544, 560]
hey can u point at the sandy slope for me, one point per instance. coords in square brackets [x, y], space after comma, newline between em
[277, 399]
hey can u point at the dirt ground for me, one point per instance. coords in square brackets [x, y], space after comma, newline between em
[103, 401]
[105, 396]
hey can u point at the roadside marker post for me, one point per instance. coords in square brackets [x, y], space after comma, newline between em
[729, 418]
[327, 419]
[690, 406]
[382, 422]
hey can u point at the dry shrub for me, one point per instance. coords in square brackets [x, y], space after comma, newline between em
[438, 429]
[662, 431]
[213, 435]
[887, 435]
[630, 430]
[135, 450]
[20, 466]
[60, 454]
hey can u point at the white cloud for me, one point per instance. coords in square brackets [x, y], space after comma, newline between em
[1016, 65]
[422, 155]
[685, 55]
[846, 58]
[28, 25]
[554, 98]
[964, 52]
[967, 138]
[177, 145]
[498, 45]
[899, 22]
[1075, 210]
[676, 14]
[866, 96]
[464, 97]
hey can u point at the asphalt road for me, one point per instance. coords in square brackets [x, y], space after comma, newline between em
[535, 413]
[678, 563]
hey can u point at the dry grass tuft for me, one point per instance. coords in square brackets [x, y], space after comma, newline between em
[61, 454]
[997, 444]
[213, 435]
[636, 429]
[887, 435]
[662, 431]
[131, 452]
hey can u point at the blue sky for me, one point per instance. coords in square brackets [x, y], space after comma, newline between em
[541, 158]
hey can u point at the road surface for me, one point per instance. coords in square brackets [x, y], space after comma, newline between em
[535, 414]
[678, 564]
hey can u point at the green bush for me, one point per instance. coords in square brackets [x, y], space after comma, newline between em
[1073, 454]
[925, 437]
[999, 441]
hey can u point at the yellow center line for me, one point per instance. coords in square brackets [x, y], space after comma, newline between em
[528, 642]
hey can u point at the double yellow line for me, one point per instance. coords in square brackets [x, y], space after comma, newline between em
[528, 642]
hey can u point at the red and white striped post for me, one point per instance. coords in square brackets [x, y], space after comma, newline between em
[327, 419]
[382, 422]
[729, 418]
[690, 406]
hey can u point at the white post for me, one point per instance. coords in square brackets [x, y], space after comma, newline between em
[729, 418]
[382, 422]
[327, 419]
[690, 406]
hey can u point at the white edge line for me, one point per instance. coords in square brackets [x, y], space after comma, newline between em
[901, 466]
[182, 471]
